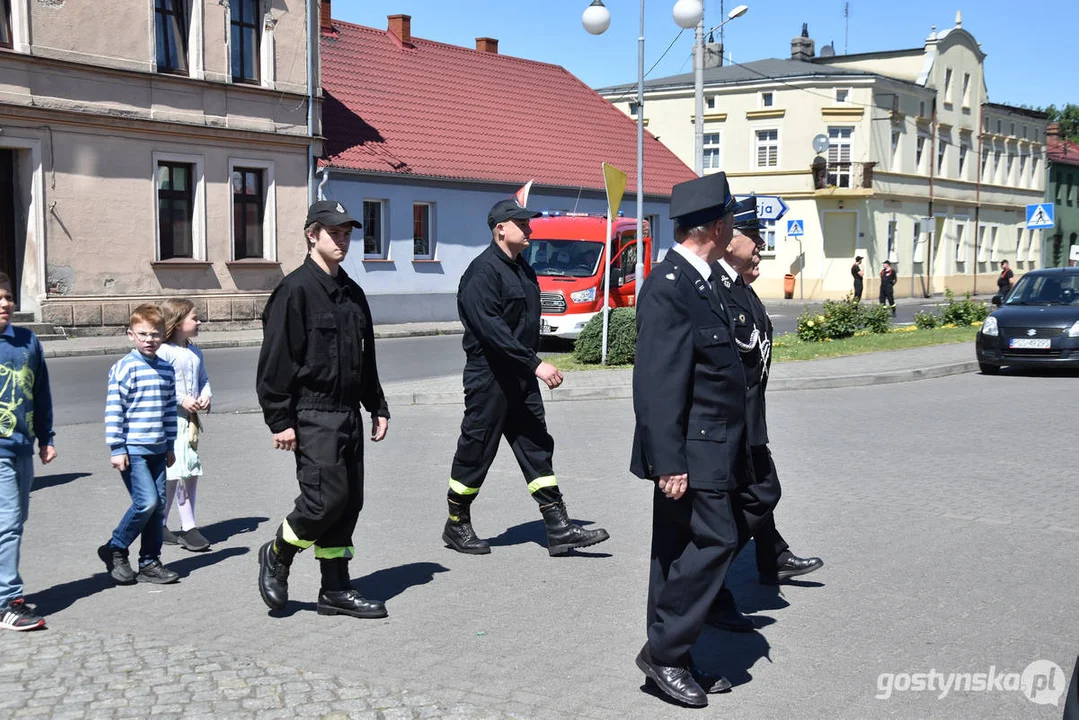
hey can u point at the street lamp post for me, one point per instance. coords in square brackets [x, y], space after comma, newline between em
[698, 86]
[596, 19]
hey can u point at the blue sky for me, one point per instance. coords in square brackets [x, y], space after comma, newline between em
[1027, 43]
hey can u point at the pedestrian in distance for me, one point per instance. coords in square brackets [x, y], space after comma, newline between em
[193, 396]
[888, 279]
[25, 416]
[689, 401]
[753, 335]
[858, 275]
[1005, 280]
[316, 370]
[498, 301]
[140, 426]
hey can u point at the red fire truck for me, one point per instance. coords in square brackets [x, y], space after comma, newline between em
[567, 252]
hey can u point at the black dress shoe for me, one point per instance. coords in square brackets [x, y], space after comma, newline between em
[725, 614]
[791, 567]
[676, 683]
[709, 682]
[349, 602]
[273, 578]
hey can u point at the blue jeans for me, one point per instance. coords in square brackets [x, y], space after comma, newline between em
[145, 481]
[16, 477]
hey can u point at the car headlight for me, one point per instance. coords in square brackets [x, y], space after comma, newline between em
[582, 296]
[1073, 331]
[989, 327]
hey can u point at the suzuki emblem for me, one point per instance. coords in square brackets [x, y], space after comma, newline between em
[1032, 332]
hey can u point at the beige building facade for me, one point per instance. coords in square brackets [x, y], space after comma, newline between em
[919, 168]
[152, 148]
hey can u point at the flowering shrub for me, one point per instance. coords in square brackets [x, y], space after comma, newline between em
[812, 328]
[926, 320]
[842, 319]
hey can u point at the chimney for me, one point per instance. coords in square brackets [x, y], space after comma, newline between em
[1052, 133]
[713, 54]
[325, 19]
[803, 47]
[400, 26]
[487, 45]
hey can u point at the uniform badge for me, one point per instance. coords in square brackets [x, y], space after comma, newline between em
[726, 282]
[340, 208]
[669, 276]
[741, 318]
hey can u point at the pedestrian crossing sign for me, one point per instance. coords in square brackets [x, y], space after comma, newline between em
[795, 228]
[1040, 216]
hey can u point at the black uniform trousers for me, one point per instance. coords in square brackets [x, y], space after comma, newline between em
[329, 467]
[858, 288]
[887, 293]
[768, 543]
[694, 541]
[497, 407]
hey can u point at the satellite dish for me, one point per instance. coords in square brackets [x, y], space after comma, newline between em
[827, 51]
[821, 143]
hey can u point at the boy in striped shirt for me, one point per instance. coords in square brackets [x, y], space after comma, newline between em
[140, 425]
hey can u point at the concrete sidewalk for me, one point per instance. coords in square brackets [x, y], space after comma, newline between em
[880, 368]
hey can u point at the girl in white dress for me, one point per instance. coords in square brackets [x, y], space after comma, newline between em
[192, 399]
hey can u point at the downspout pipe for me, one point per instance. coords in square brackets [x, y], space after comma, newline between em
[978, 195]
[312, 48]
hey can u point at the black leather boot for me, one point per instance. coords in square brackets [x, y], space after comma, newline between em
[562, 535]
[273, 575]
[349, 602]
[458, 533]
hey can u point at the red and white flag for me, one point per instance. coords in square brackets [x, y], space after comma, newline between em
[521, 196]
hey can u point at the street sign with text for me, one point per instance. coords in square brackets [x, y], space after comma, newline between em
[769, 207]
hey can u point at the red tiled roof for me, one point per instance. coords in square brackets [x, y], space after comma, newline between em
[445, 111]
[1064, 152]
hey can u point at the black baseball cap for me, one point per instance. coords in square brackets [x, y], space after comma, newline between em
[509, 209]
[329, 213]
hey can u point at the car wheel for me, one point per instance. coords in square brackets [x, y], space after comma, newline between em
[988, 369]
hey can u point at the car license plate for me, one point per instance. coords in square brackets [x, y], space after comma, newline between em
[1029, 343]
[545, 327]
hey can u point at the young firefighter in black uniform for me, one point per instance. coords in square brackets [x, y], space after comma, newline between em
[753, 336]
[316, 367]
[499, 304]
[689, 399]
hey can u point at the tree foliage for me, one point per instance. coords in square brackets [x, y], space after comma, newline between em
[1067, 116]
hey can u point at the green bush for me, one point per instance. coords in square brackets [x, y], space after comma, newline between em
[876, 318]
[926, 320]
[621, 338]
[962, 312]
[812, 327]
[844, 317]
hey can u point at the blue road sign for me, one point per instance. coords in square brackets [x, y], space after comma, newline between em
[795, 228]
[769, 207]
[1040, 216]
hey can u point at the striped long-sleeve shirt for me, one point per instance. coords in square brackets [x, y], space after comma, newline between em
[140, 411]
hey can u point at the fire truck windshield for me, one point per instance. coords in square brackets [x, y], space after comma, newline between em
[568, 258]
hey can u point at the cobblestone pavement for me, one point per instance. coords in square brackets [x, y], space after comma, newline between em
[948, 526]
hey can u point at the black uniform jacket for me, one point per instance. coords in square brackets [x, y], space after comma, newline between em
[753, 332]
[689, 390]
[318, 348]
[498, 301]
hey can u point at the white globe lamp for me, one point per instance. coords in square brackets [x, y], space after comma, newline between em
[596, 18]
[688, 13]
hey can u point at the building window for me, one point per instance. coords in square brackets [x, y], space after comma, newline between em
[985, 123]
[998, 165]
[896, 160]
[175, 210]
[963, 148]
[710, 102]
[245, 40]
[711, 151]
[921, 108]
[248, 212]
[1024, 131]
[960, 242]
[423, 242]
[966, 90]
[948, 85]
[768, 234]
[1068, 196]
[1022, 169]
[998, 127]
[767, 148]
[1012, 131]
[7, 38]
[983, 252]
[994, 246]
[374, 239]
[841, 95]
[1008, 168]
[170, 24]
[919, 151]
[633, 108]
[892, 228]
[766, 99]
[987, 173]
[839, 155]
[1018, 241]
[942, 149]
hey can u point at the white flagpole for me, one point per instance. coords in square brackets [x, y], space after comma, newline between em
[606, 286]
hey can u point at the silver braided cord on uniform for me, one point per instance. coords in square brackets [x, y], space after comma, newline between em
[757, 341]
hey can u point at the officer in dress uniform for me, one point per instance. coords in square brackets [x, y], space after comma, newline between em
[753, 337]
[689, 399]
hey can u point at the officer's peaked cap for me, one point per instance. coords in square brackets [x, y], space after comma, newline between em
[745, 214]
[701, 200]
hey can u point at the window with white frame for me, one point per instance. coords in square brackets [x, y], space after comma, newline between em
[711, 151]
[1035, 163]
[966, 90]
[893, 226]
[710, 102]
[1022, 169]
[960, 241]
[1018, 241]
[842, 95]
[254, 209]
[423, 241]
[839, 156]
[374, 229]
[948, 85]
[983, 251]
[1031, 254]
[170, 36]
[766, 99]
[919, 151]
[896, 158]
[917, 247]
[942, 152]
[768, 234]
[994, 244]
[767, 148]
[998, 127]
[179, 203]
[246, 32]
[987, 171]
[1008, 167]
[998, 165]
[964, 147]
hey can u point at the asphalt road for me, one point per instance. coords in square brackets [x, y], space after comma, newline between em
[947, 521]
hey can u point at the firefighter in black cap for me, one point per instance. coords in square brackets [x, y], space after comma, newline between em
[689, 399]
[316, 368]
[498, 301]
